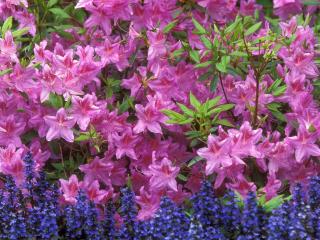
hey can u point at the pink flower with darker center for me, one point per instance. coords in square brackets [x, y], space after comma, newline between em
[60, 126]
[10, 130]
[125, 144]
[11, 163]
[216, 154]
[149, 204]
[83, 109]
[163, 175]
[70, 189]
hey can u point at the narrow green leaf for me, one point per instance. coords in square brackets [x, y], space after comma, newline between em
[213, 102]
[58, 12]
[214, 84]
[7, 25]
[207, 43]
[195, 56]
[239, 54]
[51, 3]
[55, 100]
[170, 26]
[224, 122]
[194, 102]
[253, 29]
[204, 64]
[194, 161]
[82, 137]
[20, 32]
[182, 177]
[199, 27]
[273, 203]
[185, 109]
[6, 71]
[274, 85]
[280, 90]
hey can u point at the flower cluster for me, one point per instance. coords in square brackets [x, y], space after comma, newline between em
[158, 94]
[33, 211]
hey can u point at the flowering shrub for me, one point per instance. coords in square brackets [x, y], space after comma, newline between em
[33, 212]
[158, 95]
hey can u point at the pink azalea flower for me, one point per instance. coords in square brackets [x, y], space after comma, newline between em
[83, 109]
[216, 154]
[148, 117]
[60, 126]
[39, 156]
[149, 204]
[11, 162]
[305, 145]
[248, 7]
[109, 52]
[97, 169]
[137, 82]
[157, 46]
[220, 10]
[125, 144]
[70, 189]
[273, 185]
[26, 20]
[286, 8]
[242, 186]
[94, 192]
[11, 128]
[289, 28]
[163, 175]
[178, 196]
[8, 48]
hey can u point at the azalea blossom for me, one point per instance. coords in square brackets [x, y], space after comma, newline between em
[163, 175]
[60, 126]
[70, 189]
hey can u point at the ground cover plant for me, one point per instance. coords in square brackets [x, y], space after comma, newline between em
[159, 98]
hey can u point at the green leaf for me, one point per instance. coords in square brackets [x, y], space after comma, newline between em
[194, 161]
[253, 29]
[60, 13]
[7, 25]
[273, 203]
[280, 90]
[239, 54]
[213, 102]
[55, 100]
[204, 64]
[194, 102]
[207, 43]
[20, 32]
[262, 200]
[224, 122]
[311, 3]
[182, 177]
[83, 137]
[176, 118]
[195, 56]
[273, 108]
[170, 26]
[232, 27]
[199, 27]
[274, 85]
[226, 107]
[178, 52]
[6, 71]
[185, 109]
[222, 66]
[214, 84]
[51, 3]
